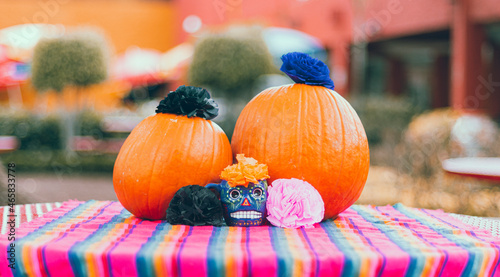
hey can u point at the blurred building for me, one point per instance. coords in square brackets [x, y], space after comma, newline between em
[438, 52]
[143, 23]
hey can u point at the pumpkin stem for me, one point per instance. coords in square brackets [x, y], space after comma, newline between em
[190, 101]
[303, 69]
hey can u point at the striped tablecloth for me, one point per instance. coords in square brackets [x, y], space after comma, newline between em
[100, 238]
[23, 213]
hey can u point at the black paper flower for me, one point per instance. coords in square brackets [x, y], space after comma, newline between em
[195, 205]
[189, 101]
[303, 69]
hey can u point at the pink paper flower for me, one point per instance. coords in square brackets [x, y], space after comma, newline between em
[293, 203]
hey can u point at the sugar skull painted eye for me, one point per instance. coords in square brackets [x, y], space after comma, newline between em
[257, 192]
[234, 194]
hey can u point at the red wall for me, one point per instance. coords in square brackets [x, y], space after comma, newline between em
[392, 18]
[485, 11]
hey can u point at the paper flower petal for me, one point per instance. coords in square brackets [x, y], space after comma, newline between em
[303, 69]
[246, 171]
[189, 101]
[293, 203]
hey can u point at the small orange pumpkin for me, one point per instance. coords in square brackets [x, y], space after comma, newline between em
[178, 146]
[307, 131]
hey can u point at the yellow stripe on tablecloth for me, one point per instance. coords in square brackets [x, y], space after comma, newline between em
[31, 262]
[358, 245]
[306, 258]
[432, 254]
[228, 252]
[27, 260]
[166, 247]
[89, 260]
[426, 271]
[487, 263]
[297, 262]
[96, 249]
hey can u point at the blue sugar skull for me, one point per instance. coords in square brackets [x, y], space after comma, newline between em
[243, 205]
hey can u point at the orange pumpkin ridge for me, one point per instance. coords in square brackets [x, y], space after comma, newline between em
[164, 153]
[178, 146]
[310, 133]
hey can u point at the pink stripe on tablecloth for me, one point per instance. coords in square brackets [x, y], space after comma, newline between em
[483, 237]
[370, 236]
[193, 255]
[378, 242]
[259, 246]
[329, 258]
[28, 227]
[59, 261]
[457, 256]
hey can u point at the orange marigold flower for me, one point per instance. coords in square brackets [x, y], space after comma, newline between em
[246, 171]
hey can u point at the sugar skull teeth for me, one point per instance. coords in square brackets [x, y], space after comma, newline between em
[242, 205]
[246, 214]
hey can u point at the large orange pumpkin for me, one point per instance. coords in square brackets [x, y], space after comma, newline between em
[166, 152]
[307, 132]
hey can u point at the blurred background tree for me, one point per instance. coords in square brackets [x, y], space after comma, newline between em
[229, 65]
[77, 60]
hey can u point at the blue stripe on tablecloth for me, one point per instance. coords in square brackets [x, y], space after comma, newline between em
[76, 252]
[476, 256]
[352, 260]
[282, 251]
[417, 259]
[316, 257]
[369, 241]
[215, 252]
[145, 256]
[21, 270]
[108, 253]
[473, 234]
[406, 225]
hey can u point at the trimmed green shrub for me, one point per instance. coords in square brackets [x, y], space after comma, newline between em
[78, 59]
[230, 62]
[229, 65]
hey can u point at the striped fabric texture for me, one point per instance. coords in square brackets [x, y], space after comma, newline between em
[101, 238]
[24, 213]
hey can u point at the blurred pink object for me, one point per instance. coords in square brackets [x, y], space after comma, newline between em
[8, 144]
[138, 67]
[293, 203]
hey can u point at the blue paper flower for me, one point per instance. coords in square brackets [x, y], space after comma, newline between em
[304, 69]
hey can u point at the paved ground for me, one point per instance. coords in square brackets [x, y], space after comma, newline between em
[41, 188]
